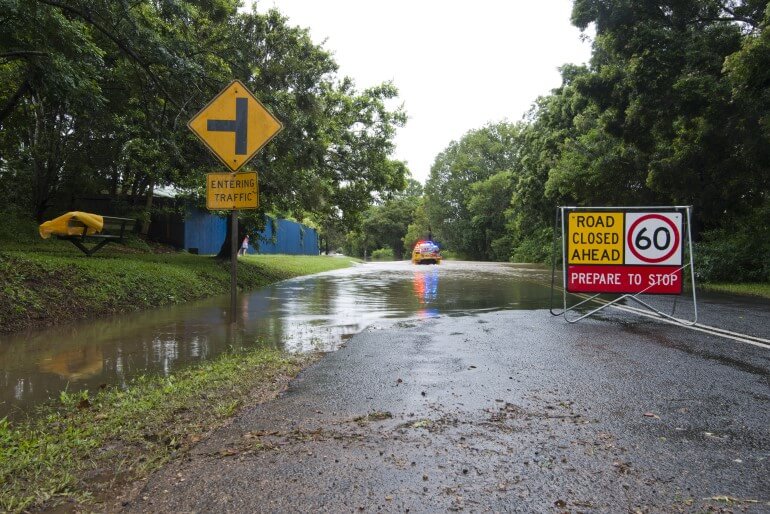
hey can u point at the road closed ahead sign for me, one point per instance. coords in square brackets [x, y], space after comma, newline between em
[624, 252]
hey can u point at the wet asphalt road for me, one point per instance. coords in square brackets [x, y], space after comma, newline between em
[510, 411]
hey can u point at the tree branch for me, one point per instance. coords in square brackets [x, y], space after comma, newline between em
[10, 104]
[86, 16]
[20, 54]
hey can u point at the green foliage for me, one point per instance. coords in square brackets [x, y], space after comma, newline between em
[94, 97]
[383, 254]
[288, 266]
[419, 228]
[748, 73]
[761, 289]
[736, 254]
[674, 109]
[386, 224]
[488, 206]
[659, 124]
[17, 229]
[536, 246]
[450, 255]
[675, 102]
[126, 432]
[478, 155]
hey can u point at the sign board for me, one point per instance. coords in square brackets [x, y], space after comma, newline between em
[235, 125]
[232, 191]
[624, 252]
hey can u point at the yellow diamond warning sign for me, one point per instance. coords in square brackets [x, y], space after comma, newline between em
[235, 125]
[232, 191]
[595, 238]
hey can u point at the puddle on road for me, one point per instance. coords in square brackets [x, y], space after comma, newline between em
[305, 314]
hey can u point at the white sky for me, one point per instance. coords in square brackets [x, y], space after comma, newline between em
[457, 64]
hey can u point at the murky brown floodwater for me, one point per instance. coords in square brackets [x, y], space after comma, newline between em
[304, 314]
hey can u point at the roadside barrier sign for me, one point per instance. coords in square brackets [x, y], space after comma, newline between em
[624, 252]
[628, 251]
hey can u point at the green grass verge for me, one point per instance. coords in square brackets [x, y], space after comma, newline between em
[288, 266]
[83, 447]
[51, 283]
[754, 289]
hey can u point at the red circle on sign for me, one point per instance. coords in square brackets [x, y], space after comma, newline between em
[630, 240]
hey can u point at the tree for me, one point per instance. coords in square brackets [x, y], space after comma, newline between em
[107, 87]
[109, 75]
[419, 228]
[748, 74]
[488, 206]
[553, 120]
[385, 224]
[662, 126]
[477, 156]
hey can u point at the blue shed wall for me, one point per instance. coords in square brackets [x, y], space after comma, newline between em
[292, 238]
[206, 232]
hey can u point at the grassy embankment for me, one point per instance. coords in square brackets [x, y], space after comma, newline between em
[81, 446]
[45, 282]
[88, 446]
[753, 289]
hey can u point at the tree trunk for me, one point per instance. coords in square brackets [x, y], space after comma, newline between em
[114, 182]
[224, 251]
[13, 100]
[148, 208]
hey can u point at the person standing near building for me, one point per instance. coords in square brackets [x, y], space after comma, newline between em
[244, 246]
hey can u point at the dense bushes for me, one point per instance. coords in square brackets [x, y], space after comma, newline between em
[537, 247]
[739, 254]
[383, 254]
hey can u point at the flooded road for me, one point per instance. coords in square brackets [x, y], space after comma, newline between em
[504, 411]
[305, 314]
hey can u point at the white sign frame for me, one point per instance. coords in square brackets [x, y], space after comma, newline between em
[664, 219]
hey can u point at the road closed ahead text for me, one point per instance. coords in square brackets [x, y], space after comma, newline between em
[595, 238]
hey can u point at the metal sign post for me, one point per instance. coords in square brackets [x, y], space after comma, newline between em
[234, 126]
[233, 263]
[625, 251]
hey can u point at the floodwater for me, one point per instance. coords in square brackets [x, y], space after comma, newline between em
[314, 313]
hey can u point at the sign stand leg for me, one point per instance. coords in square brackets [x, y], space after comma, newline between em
[233, 262]
[553, 262]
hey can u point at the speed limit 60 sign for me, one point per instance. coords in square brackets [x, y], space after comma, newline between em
[654, 238]
[624, 252]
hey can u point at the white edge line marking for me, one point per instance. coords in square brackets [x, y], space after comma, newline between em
[699, 325]
[700, 328]
[714, 331]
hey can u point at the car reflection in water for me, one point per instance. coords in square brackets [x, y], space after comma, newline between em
[425, 284]
[74, 363]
